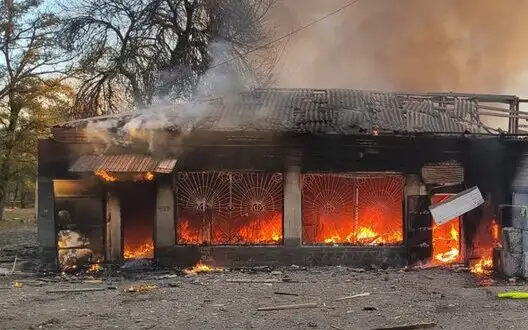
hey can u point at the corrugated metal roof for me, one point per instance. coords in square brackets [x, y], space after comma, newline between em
[328, 111]
[122, 163]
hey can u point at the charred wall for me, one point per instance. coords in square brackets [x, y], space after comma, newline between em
[488, 162]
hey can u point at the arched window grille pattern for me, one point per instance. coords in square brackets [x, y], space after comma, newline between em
[352, 209]
[229, 208]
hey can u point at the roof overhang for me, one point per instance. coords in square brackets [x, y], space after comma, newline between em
[122, 164]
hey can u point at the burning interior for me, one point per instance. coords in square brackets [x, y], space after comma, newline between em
[138, 205]
[352, 209]
[308, 192]
[229, 208]
[446, 238]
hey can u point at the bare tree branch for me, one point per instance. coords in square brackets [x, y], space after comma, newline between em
[159, 48]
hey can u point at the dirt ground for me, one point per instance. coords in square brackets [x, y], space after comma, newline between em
[451, 300]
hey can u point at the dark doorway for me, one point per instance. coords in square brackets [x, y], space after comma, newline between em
[138, 210]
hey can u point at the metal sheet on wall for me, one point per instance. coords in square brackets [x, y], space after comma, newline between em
[448, 173]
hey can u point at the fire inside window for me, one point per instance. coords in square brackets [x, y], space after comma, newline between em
[229, 208]
[352, 209]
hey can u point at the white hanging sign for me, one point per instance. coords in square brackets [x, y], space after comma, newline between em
[456, 205]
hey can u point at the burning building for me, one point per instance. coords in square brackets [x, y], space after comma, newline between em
[280, 177]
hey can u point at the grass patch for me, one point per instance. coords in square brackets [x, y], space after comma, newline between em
[17, 217]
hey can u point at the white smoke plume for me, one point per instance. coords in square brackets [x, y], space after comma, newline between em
[226, 79]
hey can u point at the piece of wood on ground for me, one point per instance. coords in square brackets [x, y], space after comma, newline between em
[335, 327]
[353, 296]
[285, 307]
[285, 293]
[31, 282]
[426, 325]
[81, 290]
[248, 280]
[14, 264]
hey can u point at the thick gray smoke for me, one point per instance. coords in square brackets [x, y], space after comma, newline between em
[407, 45]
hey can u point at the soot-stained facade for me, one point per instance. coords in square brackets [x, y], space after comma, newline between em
[273, 177]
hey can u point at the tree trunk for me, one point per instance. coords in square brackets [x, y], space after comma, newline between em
[7, 157]
[3, 197]
[22, 198]
[15, 195]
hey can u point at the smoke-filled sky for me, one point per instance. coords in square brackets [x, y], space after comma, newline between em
[406, 45]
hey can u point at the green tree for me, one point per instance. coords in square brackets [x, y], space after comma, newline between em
[32, 91]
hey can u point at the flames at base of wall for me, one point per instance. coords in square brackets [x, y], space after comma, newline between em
[260, 231]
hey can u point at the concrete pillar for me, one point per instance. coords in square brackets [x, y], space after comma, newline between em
[292, 207]
[113, 228]
[46, 223]
[165, 234]
[414, 186]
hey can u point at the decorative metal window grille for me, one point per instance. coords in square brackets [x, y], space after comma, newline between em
[229, 208]
[357, 209]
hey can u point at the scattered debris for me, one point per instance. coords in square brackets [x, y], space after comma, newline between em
[14, 264]
[261, 269]
[461, 269]
[369, 308]
[174, 285]
[141, 288]
[138, 265]
[366, 294]
[284, 307]
[81, 290]
[248, 280]
[276, 272]
[427, 325]
[166, 277]
[51, 322]
[335, 327]
[29, 282]
[285, 293]
[312, 324]
[357, 270]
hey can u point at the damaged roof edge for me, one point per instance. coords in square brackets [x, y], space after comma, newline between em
[317, 111]
[122, 163]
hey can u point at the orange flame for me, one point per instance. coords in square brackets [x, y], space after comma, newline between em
[105, 176]
[330, 231]
[446, 238]
[486, 238]
[139, 251]
[147, 176]
[483, 267]
[203, 268]
[266, 231]
[94, 268]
